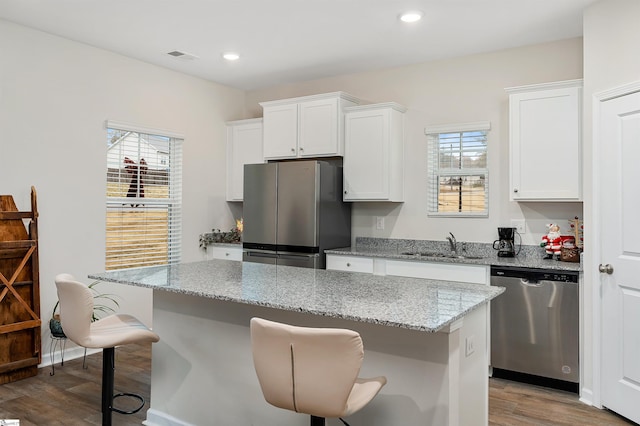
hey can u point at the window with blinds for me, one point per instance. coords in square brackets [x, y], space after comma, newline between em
[457, 166]
[144, 197]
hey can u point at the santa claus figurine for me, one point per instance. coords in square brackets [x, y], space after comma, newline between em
[552, 242]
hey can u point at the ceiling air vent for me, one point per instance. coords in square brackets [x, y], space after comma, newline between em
[182, 55]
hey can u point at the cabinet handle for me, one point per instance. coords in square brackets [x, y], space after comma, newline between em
[515, 190]
[301, 149]
[293, 150]
[345, 192]
[348, 264]
[226, 254]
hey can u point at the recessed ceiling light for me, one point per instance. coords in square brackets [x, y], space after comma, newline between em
[412, 16]
[231, 56]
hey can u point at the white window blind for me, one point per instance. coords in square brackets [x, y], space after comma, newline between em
[457, 164]
[144, 198]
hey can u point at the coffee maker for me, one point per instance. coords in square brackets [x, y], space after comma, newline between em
[506, 242]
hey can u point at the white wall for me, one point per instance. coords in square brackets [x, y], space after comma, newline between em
[54, 98]
[455, 90]
[611, 40]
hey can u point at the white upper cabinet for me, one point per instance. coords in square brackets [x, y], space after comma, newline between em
[545, 142]
[309, 126]
[244, 146]
[374, 153]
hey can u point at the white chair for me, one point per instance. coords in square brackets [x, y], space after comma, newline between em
[311, 370]
[76, 309]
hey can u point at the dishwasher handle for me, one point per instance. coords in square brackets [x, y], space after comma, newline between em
[526, 282]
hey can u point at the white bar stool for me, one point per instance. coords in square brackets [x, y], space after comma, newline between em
[76, 309]
[311, 370]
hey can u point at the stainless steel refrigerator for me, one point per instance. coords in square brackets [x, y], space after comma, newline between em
[293, 211]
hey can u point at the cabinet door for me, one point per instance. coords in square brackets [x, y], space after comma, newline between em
[224, 252]
[244, 146]
[350, 263]
[318, 128]
[476, 274]
[545, 145]
[280, 131]
[366, 160]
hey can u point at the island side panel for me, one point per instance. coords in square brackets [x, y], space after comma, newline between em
[474, 369]
[203, 370]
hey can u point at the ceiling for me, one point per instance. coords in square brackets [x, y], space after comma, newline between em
[285, 41]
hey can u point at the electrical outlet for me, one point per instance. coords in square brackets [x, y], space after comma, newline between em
[469, 346]
[380, 222]
[519, 224]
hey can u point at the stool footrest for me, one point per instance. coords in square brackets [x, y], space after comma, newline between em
[132, 395]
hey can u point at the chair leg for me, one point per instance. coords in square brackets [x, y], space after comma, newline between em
[108, 373]
[108, 384]
[317, 421]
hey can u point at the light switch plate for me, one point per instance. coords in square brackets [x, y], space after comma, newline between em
[380, 222]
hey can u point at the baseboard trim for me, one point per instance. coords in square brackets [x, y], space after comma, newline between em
[586, 397]
[159, 418]
[69, 354]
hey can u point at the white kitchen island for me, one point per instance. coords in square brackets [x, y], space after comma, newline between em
[427, 337]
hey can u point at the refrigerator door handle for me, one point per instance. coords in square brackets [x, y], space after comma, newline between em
[261, 254]
[296, 256]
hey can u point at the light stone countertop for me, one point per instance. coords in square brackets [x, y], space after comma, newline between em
[529, 256]
[412, 303]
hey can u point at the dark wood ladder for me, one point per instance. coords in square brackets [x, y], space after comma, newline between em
[20, 324]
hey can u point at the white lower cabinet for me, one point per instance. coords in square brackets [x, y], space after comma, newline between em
[350, 263]
[224, 252]
[475, 274]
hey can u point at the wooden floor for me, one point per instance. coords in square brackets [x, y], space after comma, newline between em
[72, 397]
[513, 403]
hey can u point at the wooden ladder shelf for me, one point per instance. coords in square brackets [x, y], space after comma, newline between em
[20, 325]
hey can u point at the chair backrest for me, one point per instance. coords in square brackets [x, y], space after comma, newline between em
[76, 308]
[307, 370]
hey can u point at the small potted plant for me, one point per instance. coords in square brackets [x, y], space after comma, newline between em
[107, 304]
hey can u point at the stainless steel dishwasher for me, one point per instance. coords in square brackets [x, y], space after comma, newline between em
[534, 326]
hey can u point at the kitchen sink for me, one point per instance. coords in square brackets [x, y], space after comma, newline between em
[425, 254]
[466, 256]
[440, 254]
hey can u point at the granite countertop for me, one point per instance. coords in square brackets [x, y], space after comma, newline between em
[529, 256]
[411, 303]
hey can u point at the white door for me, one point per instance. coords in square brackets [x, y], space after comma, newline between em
[619, 204]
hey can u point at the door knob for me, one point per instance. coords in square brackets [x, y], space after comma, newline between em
[605, 269]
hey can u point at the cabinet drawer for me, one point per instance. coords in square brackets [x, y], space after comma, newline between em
[438, 271]
[350, 263]
[226, 253]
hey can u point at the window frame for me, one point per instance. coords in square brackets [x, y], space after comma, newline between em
[172, 203]
[434, 171]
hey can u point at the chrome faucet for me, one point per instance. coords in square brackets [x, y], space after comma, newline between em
[452, 242]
